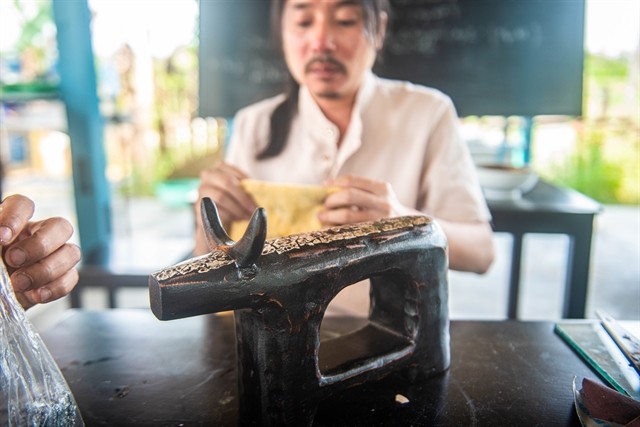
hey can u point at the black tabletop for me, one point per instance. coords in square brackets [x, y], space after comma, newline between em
[546, 197]
[125, 367]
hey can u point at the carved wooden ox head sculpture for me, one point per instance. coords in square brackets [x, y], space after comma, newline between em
[280, 289]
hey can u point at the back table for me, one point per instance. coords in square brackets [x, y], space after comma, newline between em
[548, 208]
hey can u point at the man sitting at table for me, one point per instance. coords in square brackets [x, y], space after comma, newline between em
[393, 148]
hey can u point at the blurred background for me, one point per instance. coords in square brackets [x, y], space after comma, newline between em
[155, 143]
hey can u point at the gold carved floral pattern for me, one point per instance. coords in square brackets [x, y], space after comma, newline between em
[280, 245]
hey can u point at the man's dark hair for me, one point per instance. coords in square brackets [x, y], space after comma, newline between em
[284, 113]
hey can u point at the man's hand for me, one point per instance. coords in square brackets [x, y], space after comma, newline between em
[361, 199]
[39, 259]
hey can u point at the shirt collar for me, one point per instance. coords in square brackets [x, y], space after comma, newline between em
[316, 123]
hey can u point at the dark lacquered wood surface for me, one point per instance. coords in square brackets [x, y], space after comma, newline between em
[125, 368]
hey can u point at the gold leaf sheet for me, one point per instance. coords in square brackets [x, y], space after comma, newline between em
[291, 208]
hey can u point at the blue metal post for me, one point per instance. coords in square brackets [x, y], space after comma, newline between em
[527, 131]
[85, 127]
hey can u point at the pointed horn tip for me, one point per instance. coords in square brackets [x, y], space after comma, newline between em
[206, 202]
[247, 250]
[215, 233]
[259, 218]
[260, 211]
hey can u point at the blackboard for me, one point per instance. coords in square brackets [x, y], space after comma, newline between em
[493, 57]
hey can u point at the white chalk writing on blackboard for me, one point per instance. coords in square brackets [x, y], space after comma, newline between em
[251, 70]
[428, 41]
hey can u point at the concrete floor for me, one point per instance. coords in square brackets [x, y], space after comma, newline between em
[151, 235]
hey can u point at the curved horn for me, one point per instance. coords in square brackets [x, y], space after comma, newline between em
[246, 251]
[214, 231]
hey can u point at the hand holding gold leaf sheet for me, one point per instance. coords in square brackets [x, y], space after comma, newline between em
[291, 208]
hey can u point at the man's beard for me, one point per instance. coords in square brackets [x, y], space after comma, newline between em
[321, 59]
[328, 95]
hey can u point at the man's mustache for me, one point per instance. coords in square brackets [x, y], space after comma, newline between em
[323, 60]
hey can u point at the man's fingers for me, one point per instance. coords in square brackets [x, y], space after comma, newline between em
[15, 213]
[356, 198]
[232, 171]
[52, 291]
[47, 270]
[38, 240]
[346, 216]
[49, 279]
[229, 207]
[222, 184]
[372, 186]
[228, 211]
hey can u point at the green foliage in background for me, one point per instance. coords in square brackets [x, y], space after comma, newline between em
[32, 24]
[143, 181]
[605, 163]
[606, 175]
[168, 163]
[604, 70]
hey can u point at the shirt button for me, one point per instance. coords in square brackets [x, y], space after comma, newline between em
[331, 133]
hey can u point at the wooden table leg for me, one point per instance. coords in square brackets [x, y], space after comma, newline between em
[514, 276]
